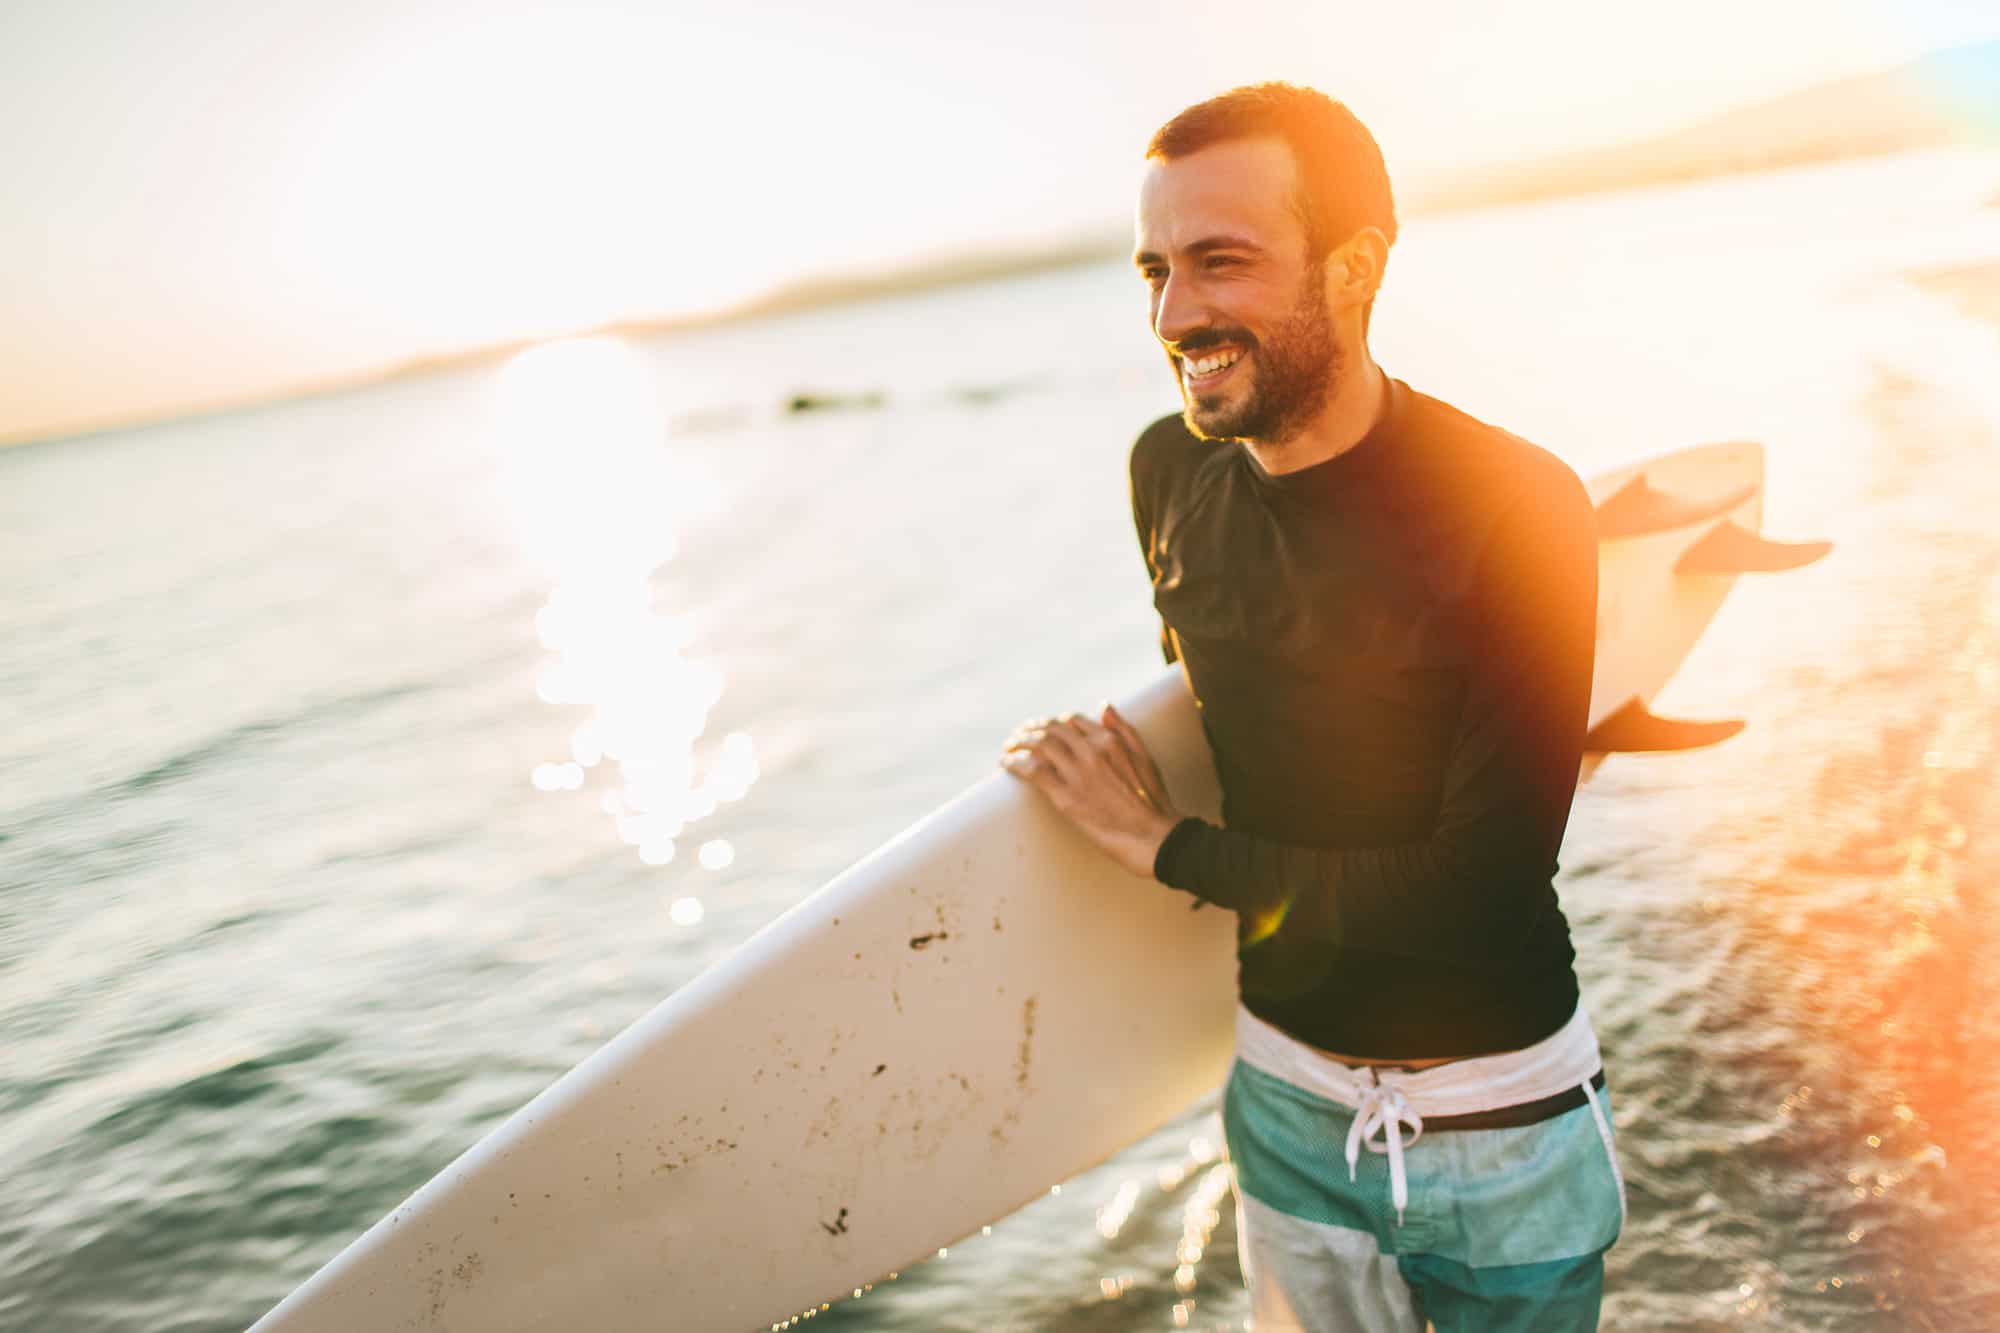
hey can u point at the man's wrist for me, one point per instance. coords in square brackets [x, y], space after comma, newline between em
[1165, 847]
[1146, 844]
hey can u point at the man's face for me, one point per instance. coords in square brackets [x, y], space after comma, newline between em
[1235, 302]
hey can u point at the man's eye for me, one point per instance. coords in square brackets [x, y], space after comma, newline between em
[1223, 261]
[1153, 273]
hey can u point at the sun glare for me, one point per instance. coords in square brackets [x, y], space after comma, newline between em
[597, 497]
[529, 172]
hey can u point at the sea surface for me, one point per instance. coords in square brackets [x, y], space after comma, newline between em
[369, 759]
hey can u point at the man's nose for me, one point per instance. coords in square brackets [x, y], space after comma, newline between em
[1178, 311]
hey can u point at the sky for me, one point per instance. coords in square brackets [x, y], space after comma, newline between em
[216, 199]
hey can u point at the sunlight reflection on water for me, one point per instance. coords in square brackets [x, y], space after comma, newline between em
[598, 501]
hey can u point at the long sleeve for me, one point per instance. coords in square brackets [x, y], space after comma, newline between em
[1142, 521]
[1459, 892]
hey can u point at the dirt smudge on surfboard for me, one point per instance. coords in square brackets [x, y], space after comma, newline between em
[828, 1122]
[924, 1116]
[1024, 1061]
[448, 1276]
[464, 1273]
[1024, 1064]
[434, 1285]
[673, 1157]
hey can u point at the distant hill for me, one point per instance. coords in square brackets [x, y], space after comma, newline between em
[916, 274]
[1944, 98]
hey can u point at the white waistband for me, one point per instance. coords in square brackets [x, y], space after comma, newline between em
[1553, 1065]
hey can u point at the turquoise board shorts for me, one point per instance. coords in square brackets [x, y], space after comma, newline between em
[1501, 1229]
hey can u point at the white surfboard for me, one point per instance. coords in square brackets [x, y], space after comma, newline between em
[1674, 532]
[978, 1010]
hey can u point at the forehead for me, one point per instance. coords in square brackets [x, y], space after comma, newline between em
[1245, 187]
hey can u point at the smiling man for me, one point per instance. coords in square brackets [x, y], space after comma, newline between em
[1385, 610]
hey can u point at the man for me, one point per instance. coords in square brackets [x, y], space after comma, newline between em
[1386, 611]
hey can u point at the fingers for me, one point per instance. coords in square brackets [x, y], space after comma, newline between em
[1023, 764]
[1063, 750]
[1117, 756]
[1111, 753]
[1042, 751]
[1030, 733]
[1115, 720]
[1149, 773]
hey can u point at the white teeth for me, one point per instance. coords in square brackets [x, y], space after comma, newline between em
[1210, 365]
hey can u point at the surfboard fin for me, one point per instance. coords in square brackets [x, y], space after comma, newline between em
[1731, 548]
[1632, 728]
[1637, 508]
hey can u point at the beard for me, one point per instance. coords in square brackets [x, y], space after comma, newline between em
[1293, 373]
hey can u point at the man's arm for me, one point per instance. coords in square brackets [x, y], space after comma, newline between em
[1138, 474]
[1098, 779]
[1507, 792]
[1096, 771]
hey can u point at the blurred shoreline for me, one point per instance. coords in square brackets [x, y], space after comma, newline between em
[1937, 101]
[1941, 100]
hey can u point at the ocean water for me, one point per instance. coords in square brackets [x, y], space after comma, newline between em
[313, 718]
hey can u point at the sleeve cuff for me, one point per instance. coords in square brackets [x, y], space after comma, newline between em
[1171, 849]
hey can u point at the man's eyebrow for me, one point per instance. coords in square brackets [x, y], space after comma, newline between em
[1210, 243]
[1205, 245]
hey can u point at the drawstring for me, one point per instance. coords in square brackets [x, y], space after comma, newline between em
[1604, 1133]
[1386, 1110]
[1382, 1109]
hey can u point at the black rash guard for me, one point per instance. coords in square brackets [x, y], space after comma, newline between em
[1392, 653]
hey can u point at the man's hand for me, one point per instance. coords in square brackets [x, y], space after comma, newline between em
[1098, 775]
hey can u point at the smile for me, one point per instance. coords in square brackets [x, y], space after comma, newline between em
[1205, 370]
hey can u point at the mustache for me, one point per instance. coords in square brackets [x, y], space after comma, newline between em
[1197, 343]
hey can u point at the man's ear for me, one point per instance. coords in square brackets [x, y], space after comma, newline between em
[1356, 266]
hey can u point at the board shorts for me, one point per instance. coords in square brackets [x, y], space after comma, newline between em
[1378, 1200]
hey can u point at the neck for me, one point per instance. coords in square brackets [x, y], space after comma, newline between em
[1350, 413]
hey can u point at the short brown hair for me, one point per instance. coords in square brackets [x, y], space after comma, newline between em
[1343, 184]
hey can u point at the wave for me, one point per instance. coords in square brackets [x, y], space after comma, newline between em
[227, 743]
